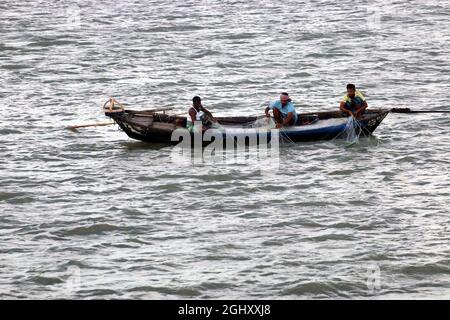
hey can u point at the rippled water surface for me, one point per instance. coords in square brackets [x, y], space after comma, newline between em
[94, 214]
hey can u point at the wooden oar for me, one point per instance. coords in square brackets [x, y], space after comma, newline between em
[98, 124]
[408, 110]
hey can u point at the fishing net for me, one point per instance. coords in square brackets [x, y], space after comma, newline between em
[352, 131]
[216, 125]
[264, 123]
[269, 123]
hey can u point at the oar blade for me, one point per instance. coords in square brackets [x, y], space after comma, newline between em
[99, 124]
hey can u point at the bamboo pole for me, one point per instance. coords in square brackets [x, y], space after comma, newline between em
[98, 124]
[408, 110]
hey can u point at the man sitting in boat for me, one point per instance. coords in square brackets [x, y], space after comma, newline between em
[198, 113]
[353, 103]
[283, 111]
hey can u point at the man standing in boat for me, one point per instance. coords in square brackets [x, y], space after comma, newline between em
[353, 103]
[283, 111]
[198, 113]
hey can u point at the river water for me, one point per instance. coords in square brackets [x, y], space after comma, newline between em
[95, 214]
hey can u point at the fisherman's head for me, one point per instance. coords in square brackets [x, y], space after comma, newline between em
[196, 101]
[351, 90]
[284, 98]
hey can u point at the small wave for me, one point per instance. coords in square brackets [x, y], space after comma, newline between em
[271, 243]
[298, 222]
[94, 229]
[77, 264]
[10, 195]
[341, 172]
[343, 225]
[373, 225]
[427, 269]
[9, 131]
[50, 43]
[170, 188]
[328, 237]
[240, 36]
[47, 281]
[224, 257]
[6, 47]
[300, 74]
[202, 53]
[215, 285]
[16, 198]
[98, 292]
[14, 66]
[183, 292]
[312, 288]
[184, 28]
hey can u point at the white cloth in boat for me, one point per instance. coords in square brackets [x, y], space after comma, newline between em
[198, 117]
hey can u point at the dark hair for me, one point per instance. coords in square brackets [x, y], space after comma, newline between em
[285, 93]
[351, 86]
[196, 99]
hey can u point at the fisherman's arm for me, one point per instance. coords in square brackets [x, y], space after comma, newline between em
[209, 114]
[192, 115]
[288, 119]
[363, 107]
[344, 109]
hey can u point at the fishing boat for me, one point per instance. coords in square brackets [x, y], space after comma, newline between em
[158, 126]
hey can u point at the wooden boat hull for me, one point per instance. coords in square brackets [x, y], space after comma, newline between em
[159, 128]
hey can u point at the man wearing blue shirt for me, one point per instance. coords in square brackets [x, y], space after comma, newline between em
[283, 111]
